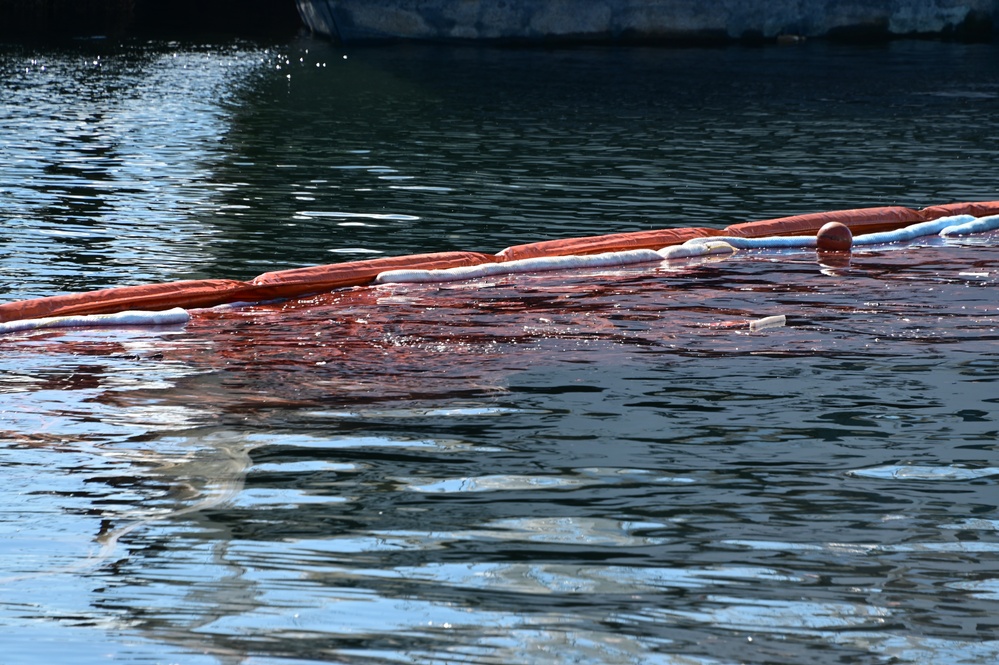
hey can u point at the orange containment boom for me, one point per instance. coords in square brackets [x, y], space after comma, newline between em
[615, 242]
[304, 281]
[859, 220]
[212, 292]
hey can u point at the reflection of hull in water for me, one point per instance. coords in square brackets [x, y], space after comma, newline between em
[662, 20]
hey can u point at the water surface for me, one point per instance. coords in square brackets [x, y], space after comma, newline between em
[604, 467]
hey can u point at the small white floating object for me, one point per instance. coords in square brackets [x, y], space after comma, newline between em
[696, 247]
[768, 322]
[128, 318]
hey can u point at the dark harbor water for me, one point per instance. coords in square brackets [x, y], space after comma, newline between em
[558, 468]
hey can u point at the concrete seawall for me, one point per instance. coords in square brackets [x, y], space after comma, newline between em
[648, 20]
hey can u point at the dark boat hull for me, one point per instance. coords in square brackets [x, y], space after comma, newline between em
[644, 20]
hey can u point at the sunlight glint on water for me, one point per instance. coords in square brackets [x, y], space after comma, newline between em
[605, 467]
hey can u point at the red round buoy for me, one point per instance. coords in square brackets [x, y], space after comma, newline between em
[834, 237]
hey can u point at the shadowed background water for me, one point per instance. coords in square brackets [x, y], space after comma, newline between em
[559, 468]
